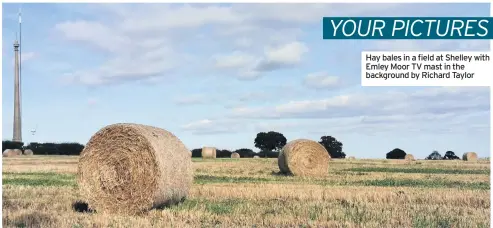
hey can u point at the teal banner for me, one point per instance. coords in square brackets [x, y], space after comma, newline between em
[407, 28]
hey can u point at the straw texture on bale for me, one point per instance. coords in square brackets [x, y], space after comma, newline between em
[235, 155]
[208, 152]
[28, 152]
[409, 157]
[303, 157]
[470, 156]
[130, 168]
[256, 156]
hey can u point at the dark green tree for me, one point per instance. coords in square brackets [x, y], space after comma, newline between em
[333, 146]
[270, 141]
[245, 152]
[434, 156]
[396, 154]
[450, 155]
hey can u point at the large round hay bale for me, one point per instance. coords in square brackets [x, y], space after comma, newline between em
[256, 156]
[409, 157]
[235, 155]
[351, 158]
[131, 168]
[470, 156]
[208, 152]
[303, 157]
[28, 152]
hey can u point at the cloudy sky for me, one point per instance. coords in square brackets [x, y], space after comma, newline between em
[216, 75]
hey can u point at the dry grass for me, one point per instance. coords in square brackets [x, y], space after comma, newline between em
[248, 192]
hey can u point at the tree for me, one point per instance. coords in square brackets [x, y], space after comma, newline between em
[270, 141]
[434, 156]
[396, 154]
[197, 153]
[245, 153]
[332, 146]
[450, 155]
[223, 153]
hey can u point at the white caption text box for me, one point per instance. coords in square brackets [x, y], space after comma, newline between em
[426, 68]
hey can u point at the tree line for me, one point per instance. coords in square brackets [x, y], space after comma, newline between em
[67, 148]
[435, 155]
[270, 144]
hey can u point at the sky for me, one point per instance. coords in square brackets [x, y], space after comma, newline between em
[217, 74]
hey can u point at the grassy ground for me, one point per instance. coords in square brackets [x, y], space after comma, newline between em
[40, 192]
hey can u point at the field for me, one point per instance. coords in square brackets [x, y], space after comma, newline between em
[40, 191]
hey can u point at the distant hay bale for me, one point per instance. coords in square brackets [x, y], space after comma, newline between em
[11, 152]
[470, 156]
[28, 152]
[8, 153]
[130, 168]
[235, 155]
[303, 157]
[409, 157]
[17, 152]
[209, 152]
[351, 158]
[256, 156]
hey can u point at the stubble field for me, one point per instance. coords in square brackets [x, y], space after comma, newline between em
[40, 191]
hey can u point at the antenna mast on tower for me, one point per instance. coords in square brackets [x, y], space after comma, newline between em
[20, 58]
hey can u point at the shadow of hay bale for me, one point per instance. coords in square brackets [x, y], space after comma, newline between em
[169, 204]
[82, 207]
[279, 173]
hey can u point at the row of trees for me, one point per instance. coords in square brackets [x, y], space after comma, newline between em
[45, 148]
[435, 155]
[272, 142]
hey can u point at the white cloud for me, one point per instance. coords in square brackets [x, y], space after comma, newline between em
[235, 60]
[285, 55]
[243, 42]
[217, 126]
[94, 33]
[440, 100]
[428, 45]
[191, 99]
[321, 80]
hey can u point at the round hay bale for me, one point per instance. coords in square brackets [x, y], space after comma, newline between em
[235, 155]
[409, 157]
[130, 168]
[8, 153]
[351, 158]
[11, 152]
[209, 152]
[256, 156]
[470, 156]
[303, 157]
[17, 152]
[28, 152]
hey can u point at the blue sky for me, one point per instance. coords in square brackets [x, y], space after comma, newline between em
[216, 75]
